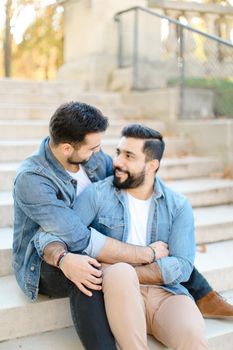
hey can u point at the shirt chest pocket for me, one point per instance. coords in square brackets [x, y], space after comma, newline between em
[111, 226]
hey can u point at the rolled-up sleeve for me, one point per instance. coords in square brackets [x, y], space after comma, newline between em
[84, 211]
[87, 206]
[37, 198]
[177, 267]
[96, 243]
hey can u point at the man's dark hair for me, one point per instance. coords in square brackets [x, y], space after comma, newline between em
[72, 121]
[153, 146]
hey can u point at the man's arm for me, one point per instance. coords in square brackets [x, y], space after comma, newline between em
[149, 274]
[43, 203]
[114, 251]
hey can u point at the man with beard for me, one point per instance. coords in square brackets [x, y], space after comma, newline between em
[136, 207]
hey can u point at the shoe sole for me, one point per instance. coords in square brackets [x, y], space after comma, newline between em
[230, 318]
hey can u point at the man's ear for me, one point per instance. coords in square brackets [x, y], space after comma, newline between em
[153, 166]
[66, 149]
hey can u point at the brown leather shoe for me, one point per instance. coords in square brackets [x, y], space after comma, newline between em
[213, 305]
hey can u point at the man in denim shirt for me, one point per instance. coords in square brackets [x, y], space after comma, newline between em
[136, 207]
[47, 225]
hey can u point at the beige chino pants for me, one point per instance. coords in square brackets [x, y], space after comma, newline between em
[134, 311]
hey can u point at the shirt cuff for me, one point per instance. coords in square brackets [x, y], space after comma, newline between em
[96, 243]
[42, 239]
[170, 269]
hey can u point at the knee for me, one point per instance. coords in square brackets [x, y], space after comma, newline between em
[119, 274]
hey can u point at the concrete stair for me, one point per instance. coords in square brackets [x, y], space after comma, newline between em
[205, 191]
[24, 117]
[6, 240]
[217, 261]
[54, 315]
[44, 112]
[218, 334]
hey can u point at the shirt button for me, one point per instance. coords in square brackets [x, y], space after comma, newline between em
[73, 182]
[32, 268]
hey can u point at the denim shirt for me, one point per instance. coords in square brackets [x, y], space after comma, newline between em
[44, 201]
[170, 220]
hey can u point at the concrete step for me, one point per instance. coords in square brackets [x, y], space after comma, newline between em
[6, 209]
[7, 173]
[29, 92]
[44, 112]
[219, 335]
[6, 239]
[205, 191]
[22, 86]
[21, 317]
[64, 94]
[54, 314]
[32, 129]
[213, 224]
[217, 265]
[188, 167]
[18, 149]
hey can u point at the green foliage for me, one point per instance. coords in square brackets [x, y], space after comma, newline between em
[223, 91]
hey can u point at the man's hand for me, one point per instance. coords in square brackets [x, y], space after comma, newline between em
[161, 249]
[83, 271]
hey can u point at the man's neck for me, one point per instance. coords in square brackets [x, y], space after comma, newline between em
[142, 192]
[74, 168]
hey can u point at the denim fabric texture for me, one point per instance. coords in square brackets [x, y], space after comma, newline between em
[170, 220]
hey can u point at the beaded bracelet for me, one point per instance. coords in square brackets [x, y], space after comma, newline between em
[154, 254]
[60, 257]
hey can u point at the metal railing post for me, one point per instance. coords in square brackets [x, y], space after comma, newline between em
[120, 43]
[135, 51]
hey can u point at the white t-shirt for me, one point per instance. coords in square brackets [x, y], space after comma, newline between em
[139, 212]
[82, 179]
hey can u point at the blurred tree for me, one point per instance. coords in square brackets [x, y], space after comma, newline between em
[40, 53]
[12, 9]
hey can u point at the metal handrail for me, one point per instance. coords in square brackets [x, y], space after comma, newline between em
[174, 21]
[181, 61]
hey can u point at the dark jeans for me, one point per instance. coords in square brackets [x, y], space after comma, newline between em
[197, 285]
[88, 313]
